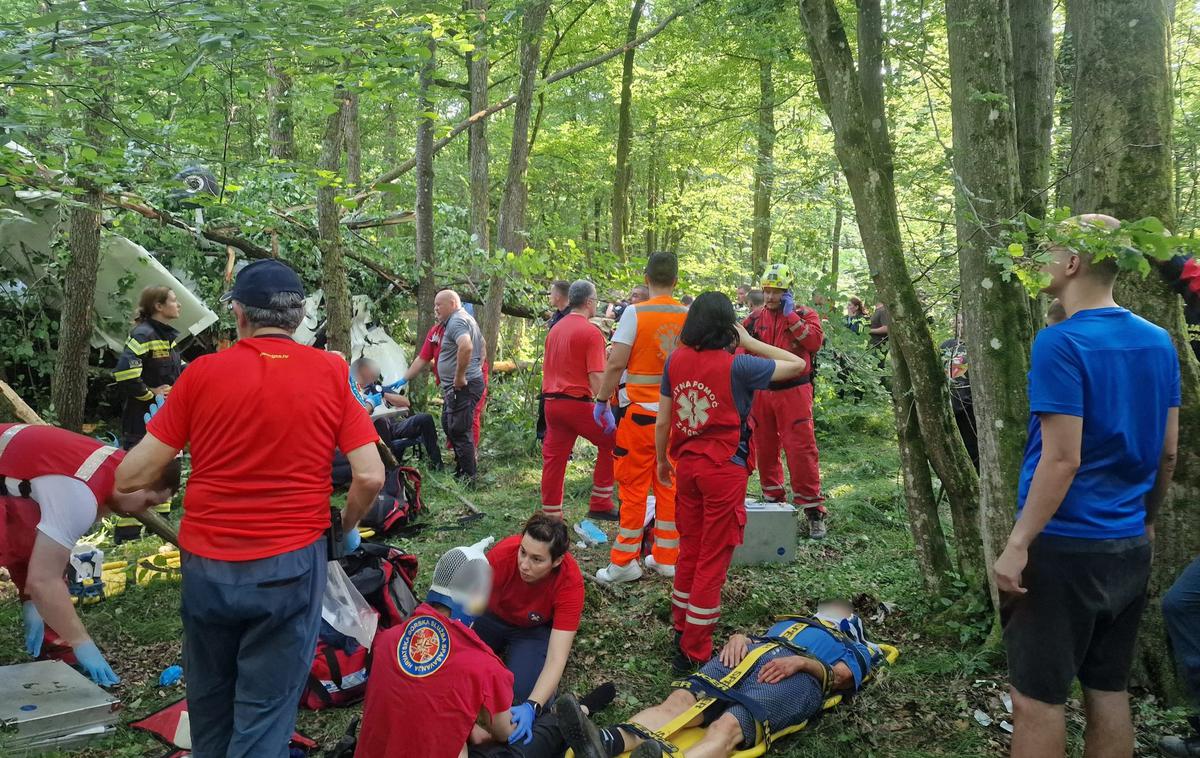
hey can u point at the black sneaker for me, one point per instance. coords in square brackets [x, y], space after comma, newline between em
[579, 732]
[648, 749]
[599, 698]
[683, 664]
[613, 514]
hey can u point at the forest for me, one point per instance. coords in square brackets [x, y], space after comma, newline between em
[905, 152]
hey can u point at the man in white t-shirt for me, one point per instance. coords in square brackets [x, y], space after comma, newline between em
[54, 484]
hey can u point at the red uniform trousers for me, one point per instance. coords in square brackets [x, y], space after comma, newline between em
[566, 421]
[636, 468]
[711, 509]
[19, 518]
[784, 418]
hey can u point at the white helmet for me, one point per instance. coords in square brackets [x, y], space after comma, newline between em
[462, 581]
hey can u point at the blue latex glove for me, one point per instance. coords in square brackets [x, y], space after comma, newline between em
[94, 665]
[155, 407]
[35, 628]
[375, 399]
[522, 718]
[352, 540]
[396, 385]
[170, 676]
[789, 303]
[603, 416]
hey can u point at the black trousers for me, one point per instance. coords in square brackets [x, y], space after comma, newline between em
[418, 426]
[547, 742]
[458, 415]
[964, 418]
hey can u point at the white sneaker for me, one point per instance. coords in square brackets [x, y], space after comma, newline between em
[614, 574]
[667, 571]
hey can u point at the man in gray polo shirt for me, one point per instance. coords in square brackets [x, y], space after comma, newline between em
[460, 371]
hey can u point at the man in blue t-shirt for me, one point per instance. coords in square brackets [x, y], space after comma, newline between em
[789, 684]
[1104, 398]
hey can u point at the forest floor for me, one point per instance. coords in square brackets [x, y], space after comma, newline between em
[924, 705]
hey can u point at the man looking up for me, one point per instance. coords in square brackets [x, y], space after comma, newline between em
[459, 370]
[256, 512]
[647, 334]
[53, 485]
[1104, 395]
[784, 412]
[573, 370]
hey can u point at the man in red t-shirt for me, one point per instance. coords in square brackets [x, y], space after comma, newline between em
[536, 605]
[571, 375]
[262, 420]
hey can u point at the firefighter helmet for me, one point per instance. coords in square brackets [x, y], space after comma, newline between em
[777, 276]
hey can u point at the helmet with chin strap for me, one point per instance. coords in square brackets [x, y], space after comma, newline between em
[462, 581]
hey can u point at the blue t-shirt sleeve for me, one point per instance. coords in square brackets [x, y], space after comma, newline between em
[1176, 393]
[665, 386]
[747, 374]
[1055, 375]
[750, 372]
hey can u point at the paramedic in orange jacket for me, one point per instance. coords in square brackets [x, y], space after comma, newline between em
[783, 414]
[646, 335]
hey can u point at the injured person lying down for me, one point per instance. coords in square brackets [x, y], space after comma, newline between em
[756, 690]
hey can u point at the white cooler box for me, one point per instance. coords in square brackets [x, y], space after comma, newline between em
[770, 534]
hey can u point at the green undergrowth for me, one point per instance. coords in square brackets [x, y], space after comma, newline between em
[921, 706]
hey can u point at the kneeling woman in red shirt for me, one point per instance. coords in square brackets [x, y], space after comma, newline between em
[703, 440]
[534, 611]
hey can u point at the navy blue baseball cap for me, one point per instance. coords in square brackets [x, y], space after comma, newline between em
[259, 281]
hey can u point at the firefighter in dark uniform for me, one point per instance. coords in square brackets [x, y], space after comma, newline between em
[147, 368]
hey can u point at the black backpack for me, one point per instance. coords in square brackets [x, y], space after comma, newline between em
[398, 503]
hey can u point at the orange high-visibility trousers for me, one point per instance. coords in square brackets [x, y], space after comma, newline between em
[636, 469]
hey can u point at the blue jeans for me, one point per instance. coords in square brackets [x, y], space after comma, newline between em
[523, 650]
[1181, 609]
[250, 630]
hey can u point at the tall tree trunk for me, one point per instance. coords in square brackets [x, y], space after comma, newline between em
[280, 126]
[350, 123]
[1032, 33]
[624, 135]
[425, 252]
[511, 217]
[933, 555]
[856, 111]
[477, 77]
[835, 246]
[996, 313]
[652, 197]
[69, 387]
[1122, 118]
[333, 263]
[764, 167]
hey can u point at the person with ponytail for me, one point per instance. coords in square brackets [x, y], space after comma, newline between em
[147, 368]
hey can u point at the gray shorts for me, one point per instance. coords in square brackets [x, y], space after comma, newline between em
[787, 703]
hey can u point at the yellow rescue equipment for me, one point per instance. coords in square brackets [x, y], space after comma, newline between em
[676, 737]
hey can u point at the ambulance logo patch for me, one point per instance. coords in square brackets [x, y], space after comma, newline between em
[424, 647]
[693, 401]
[667, 337]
